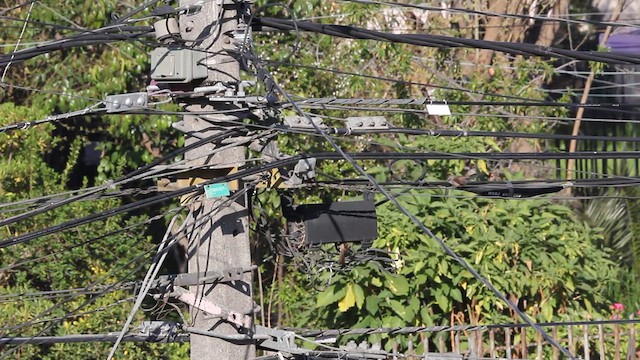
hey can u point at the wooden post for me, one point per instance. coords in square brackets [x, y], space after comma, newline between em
[507, 338]
[523, 342]
[601, 341]
[492, 343]
[539, 347]
[616, 339]
[222, 242]
[585, 342]
[570, 338]
[631, 352]
[556, 352]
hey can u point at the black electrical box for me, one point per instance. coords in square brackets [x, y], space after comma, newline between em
[338, 222]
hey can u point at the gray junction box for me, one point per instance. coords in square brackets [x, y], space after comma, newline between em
[176, 65]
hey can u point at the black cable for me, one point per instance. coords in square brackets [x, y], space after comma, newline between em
[90, 37]
[23, 4]
[88, 338]
[34, 258]
[122, 179]
[474, 133]
[48, 25]
[397, 81]
[320, 156]
[495, 14]
[437, 41]
[603, 107]
[87, 302]
[132, 12]
[52, 294]
[52, 118]
[412, 217]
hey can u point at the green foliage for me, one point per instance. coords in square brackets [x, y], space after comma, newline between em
[537, 252]
[527, 249]
[64, 260]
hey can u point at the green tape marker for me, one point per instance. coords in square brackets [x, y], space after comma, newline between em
[216, 190]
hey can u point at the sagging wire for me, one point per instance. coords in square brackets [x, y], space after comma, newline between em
[125, 229]
[152, 272]
[349, 158]
[495, 14]
[24, 27]
[77, 309]
[91, 110]
[142, 171]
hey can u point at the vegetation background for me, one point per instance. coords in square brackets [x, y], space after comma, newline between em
[557, 259]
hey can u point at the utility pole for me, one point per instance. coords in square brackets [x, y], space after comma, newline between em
[221, 242]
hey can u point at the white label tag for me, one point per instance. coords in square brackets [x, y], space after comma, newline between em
[438, 109]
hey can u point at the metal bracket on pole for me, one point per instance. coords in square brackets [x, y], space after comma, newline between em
[367, 123]
[302, 122]
[304, 170]
[279, 340]
[126, 102]
[159, 331]
[192, 279]
[207, 306]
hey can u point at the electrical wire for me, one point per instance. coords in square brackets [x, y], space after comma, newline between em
[320, 156]
[92, 110]
[290, 130]
[77, 309]
[104, 289]
[349, 158]
[125, 229]
[104, 35]
[393, 80]
[357, 102]
[24, 27]
[495, 14]
[427, 40]
[17, 6]
[52, 294]
[75, 315]
[122, 180]
[152, 272]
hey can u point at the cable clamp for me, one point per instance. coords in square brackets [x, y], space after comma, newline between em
[304, 170]
[367, 123]
[125, 102]
[302, 122]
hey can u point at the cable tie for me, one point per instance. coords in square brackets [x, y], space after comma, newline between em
[510, 187]
[110, 184]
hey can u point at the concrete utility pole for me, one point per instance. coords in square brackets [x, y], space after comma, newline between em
[222, 242]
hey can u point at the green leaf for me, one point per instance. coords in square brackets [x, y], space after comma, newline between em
[330, 296]
[359, 292]
[372, 304]
[397, 284]
[456, 295]
[443, 302]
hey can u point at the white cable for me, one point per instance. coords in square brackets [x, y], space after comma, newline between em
[24, 27]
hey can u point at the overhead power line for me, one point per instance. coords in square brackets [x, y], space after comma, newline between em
[268, 79]
[118, 32]
[496, 14]
[438, 41]
[320, 156]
